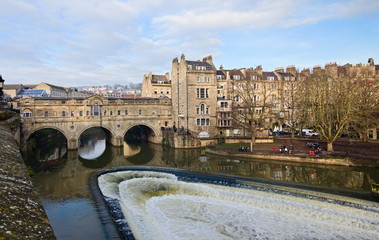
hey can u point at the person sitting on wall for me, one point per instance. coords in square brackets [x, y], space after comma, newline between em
[290, 149]
[273, 149]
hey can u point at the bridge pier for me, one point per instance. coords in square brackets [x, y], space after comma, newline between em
[72, 144]
[116, 141]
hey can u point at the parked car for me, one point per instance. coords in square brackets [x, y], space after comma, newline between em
[309, 132]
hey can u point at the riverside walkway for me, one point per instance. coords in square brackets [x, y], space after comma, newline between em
[21, 213]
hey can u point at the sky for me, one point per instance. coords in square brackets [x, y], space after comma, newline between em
[76, 43]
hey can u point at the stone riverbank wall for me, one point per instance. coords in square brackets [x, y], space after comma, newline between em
[291, 158]
[21, 213]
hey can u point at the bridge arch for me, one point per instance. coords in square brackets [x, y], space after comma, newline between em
[110, 135]
[146, 129]
[29, 134]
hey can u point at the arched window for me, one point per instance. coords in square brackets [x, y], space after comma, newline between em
[202, 108]
[96, 109]
[27, 113]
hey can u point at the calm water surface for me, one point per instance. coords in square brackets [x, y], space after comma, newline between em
[72, 210]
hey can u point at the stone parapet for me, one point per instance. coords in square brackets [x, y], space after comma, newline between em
[21, 213]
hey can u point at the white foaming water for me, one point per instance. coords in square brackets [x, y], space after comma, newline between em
[158, 206]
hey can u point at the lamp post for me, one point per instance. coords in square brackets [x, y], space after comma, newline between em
[1, 90]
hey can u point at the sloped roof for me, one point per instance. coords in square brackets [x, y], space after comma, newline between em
[160, 78]
[265, 75]
[219, 72]
[285, 74]
[54, 86]
[32, 92]
[200, 63]
[11, 86]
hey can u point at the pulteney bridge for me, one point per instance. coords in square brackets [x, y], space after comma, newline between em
[116, 116]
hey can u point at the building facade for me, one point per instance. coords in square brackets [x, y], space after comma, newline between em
[194, 95]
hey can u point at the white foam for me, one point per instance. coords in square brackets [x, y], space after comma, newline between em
[161, 207]
[109, 182]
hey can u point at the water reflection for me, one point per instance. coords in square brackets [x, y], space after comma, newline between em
[67, 184]
[92, 143]
[75, 171]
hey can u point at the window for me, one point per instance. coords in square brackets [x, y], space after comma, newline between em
[27, 114]
[202, 92]
[140, 112]
[155, 91]
[162, 92]
[256, 98]
[236, 77]
[168, 92]
[111, 113]
[126, 112]
[273, 97]
[105, 113]
[46, 114]
[72, 114]
[63, 114]
[87, 113]
[96, 110]
[270, 78]
[224, 104]
[254, 78]
[255, 86]
[81, 113]
[203, 109]
[118, 112]
[202, 122]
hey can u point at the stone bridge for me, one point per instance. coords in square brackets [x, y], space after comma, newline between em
[116, 116]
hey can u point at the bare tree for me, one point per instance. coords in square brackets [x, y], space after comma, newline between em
[366, 104]
[251, 106]
[330, 105]
[292, 98]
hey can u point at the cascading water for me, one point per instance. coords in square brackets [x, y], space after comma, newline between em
[158, 205]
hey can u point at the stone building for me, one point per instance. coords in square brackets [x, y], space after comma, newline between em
[52, 90]
[156, 85]
[194, 95]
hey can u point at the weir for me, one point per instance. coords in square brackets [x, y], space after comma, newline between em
[169, 204]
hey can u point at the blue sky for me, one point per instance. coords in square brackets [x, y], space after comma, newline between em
[98, 42]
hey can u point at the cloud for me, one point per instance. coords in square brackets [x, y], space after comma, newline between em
[94, 41]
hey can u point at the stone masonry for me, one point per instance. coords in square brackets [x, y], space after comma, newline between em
[21, 213]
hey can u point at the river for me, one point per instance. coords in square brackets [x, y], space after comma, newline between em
[73, 212]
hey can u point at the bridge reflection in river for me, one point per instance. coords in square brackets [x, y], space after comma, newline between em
[72, 211]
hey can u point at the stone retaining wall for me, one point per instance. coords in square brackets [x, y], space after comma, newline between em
[21, 213]
[292, 158]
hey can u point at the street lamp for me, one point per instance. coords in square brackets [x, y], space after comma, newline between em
[1, 90]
